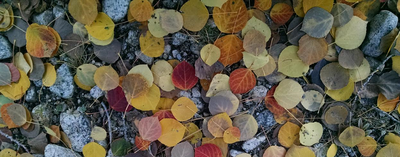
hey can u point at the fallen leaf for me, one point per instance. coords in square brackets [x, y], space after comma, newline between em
[351, 59]
[220, 104]
[367, 147]
[184, 76]
[98, 133]
[207, 150]
[392, 138]
[342, 14]
[106, 78]
[310, 133]
[142, 144]
[343, 93]
[149, 128]
[219, 83]
[288, 133]
[317, 22]
[332, 150]
[263, 5]
[85, 74]
[108, 53]
[385, 104]
[120, 147]
[361, 72]
[352, 136]
[231, 17]
[154, 24]
[231, 49]
[218, 124]
[102, 28]
[334, 76]
[312, 100]
[18, 89]
[290, 64]
[231, 135]
[5, 75]
[84, 11]
[389, 85]
[274, 151]
[141, 10]
[281, 13]
[42, 41]
[134, 85]
[390, 150]
[171, 132]
[218, 142]
[93, 149]
[195, 15]
[192, 133]
[214, 3]
[171, 21]
[325, 4]
[247, 125]
[288, 93]
[256, 24]
[299, 151]
[352, 34]
[50, 75]
[312, 50]
[183, 109]
[162, 72]
[242, 80]
[183, 149]
[148, 101]
[210, 53]
[254, 42]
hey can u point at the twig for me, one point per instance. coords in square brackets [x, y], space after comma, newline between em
[15, 141]
[109, 121]
[387, 114]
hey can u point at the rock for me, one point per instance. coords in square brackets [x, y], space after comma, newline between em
[44, 18]
[175, 53]
[148, 60]
[195, 47]
[252, 144]
[196, 92]
[116, 9]
[171, 4]
[31, 95]
[258, 92]
[275, 77]
[96, 92]
[52, 150]
[43, 114]
[58, 12]
[64, 86]
[179, 38]
[265, 119]
[167, 49]
[380, 25]
[133, 37]
[5, 48]
[235, 152]
[77, 127]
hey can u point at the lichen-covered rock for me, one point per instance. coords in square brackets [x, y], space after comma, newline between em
[77, 127]
[44, 18]
[53, 150]
[5, 48]
[116, 9]
[64, 86]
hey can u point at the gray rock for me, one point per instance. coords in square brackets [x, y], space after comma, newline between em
[171, 4]
[235, 152]
[133, 37]
[175, 53]
[116, 9]
[53, 150]
[96, 92]
[199, 104]
[167, 49]
[196, 92]
[31, 95]
[148, 60]
[179, 38]
[58, 12]
[64, 86]
[44, 18]
[42, 113]
[5, 48]
[258, 92]
[195, 47]
[77, 127]
[265, 119]
[275, 77]
[253, 144]
[380, 25]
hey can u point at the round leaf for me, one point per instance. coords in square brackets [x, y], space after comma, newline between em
[93, 149]
[171, 21]
[242, 81]
[195, 15]
[325, 4]
[342, 14]
[162, 72]
[361, 72]
[254, 42]
[247, 125]
[98, 133]
[299, 151]
[120, 147]
[149, 128]
[106, 78]
[171, 132]
[310, 133]
[134, 85]
[102, 28]
[219, 83]
[231, 17]
[218, 124]
[352, 34]
[16, 90]
[41, 41]
[288, 133]
[368, 146]
[275, 151]
[231, 135]
[143, 70]
[334, 76]
[352, 136]
[312, 100]
[148, 101]
[84, 11]
[50, 75]
[351, 59]
[388, 150]
[155, 26]
[219, 104]
[183, 109]
[210, 53]
[150, 45]
[281, 13]
[317, 23]
[184, 76]
[140, 10]
[5, 75]
[85, 73]
[290, 64]
[208, 150]
[312, 50]
[184, 149]
[256, 24]
[288, 93]
[231, 49]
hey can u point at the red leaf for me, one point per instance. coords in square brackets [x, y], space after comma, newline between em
[271, 104]
[142, 144]
[15, 75]
[150, 128]
[207, 150]
[184, 76]
[163, 114]
[117, 101]
[242, 80]
[281, 13]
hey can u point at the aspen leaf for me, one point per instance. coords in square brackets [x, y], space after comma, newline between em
[281, 13]
[294, 33]
[392, 138]
[183, 149]
[7, 18]
[334, 76]
[310, 133]
[85, 73]
[106, 78]
[84, 11]
[150, 45]
[214, 3]
[108, 53]
[312, 50]
[257, 14]
[352, 136]
[93, 149]
[55, 133]
[7, 152]
[171, 132]
[317, 22]
[343, 93]
[263, 5]
[342, 14]
[256, 24]
[247, 125]
[267, 68]
[149, 128]
[220, 82]
[290, 64]
[242, 80]
[81, 85]
[351, 59]
[29, 61]
[298, 8]
[361, 72]
[325, 4]
[312, 100]
[368, 146]
[142, 144]
[17, 114]
[204, 71]
[155, 26]
[21, 63]
[184, 76]
[98, 133]
[396, 64]
[171, 21]
[231, 49]
[232, 97]
[208, 150]
[275, 151]
[101, 42]
[14, 72]
[218, 142]
[195, 15]
[50, 75]
[143, 70]
[210, 53]
[352, 34]
[5, 75]
[288, 133]
[231, 135]
[6, 117]
[231, 17]
[386, 105]
[148, 101]
[288, 93]
[102, 28]
[183, 109]
[141, 10]
[161, 114]
[120, 147]
[164, 104]
[299, 151]
[42, 41]
[254, 42]
[134, 85]
[16, 90]
[243, 155]
[332, 150]
[390, 150]
[336, 114]
[162, 72]
[219, 104]
[218, 124]
[193, 133]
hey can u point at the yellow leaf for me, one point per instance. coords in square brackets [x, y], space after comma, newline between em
[256, 24]
[298, 7]
[219, 83]
[396, 62]
[162, 72]
[299, 151]
[352, 34]
[332, 150]
[106, 78]
[310, 133]
[258, 14]
[172, 132]
[50, 75]
[390, 150]
[155, 24]
[16, 90]
[98, 133]
[352, 136]
[102, 28]
[392, 138]
[386, 105]
[7, 152]
[214, 3]
[42, 41]
[183, 109]
[147, 101]
[288, 133]
[28, 59]
[255, 62]
[84, 11]
[101, 42]
[93, 149]
[361, 72]
[164, 104]
[266, 69]
[85, 73]
[81, 85]
[231, 17]
[193, 133]
[324, 4]
[143, 70]
[171, 21]
[210, 54]
[231, 135]
[290, 64]
[343, 93]
[150, 45]
[21, 63]
[7, 21]
[367, 147]
[288, 93]
[195, 15]
[218, 124]
[140, 10]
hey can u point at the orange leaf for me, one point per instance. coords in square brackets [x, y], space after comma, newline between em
[231, 135]
[274, 151]
[141, 10]
[141, 144]
[231, 49]
[386, 105]
[242, 80]
[281, 13]
[42, 41]
[367, 147]
[231, 17]
[288, 133]
[6, 118]
[263, 5]
[56, 129]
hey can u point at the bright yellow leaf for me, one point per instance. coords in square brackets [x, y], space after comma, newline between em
[147, 101]
[150, 45]
[143, 70]
[332, 150]
[50, 75]
[172, 132]
[102, 28]
[210, 54]
[343, 93]
[183, 109]
[93, 149]
[16, 90]
[195, 15]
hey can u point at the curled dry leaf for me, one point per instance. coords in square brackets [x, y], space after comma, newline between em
[183, 109]
[242, 80]
[231, 17]
[50, 75]
[288, 133]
